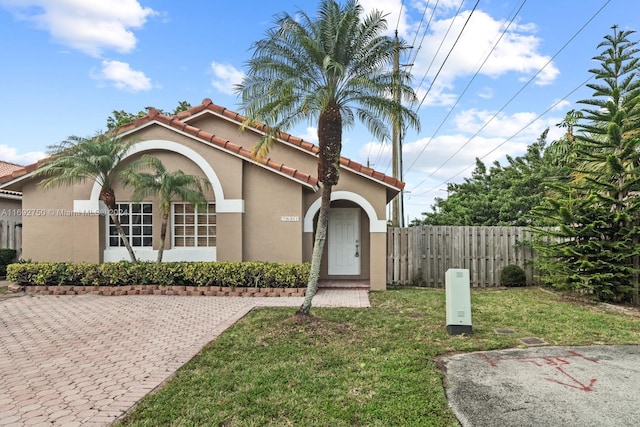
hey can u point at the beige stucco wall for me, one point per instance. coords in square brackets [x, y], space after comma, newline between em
[378, 279]
[268, 198]
[50, 229]
[228, 168]
[280, 152]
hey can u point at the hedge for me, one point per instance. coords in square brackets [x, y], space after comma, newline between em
[124, 273]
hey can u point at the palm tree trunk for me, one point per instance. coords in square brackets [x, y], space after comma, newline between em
[163, 235]
[318, 249]
[108, 197]
[121, 233]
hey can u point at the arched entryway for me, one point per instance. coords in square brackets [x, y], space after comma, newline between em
[356, 240]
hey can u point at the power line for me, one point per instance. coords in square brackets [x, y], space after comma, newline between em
[448, 54]
[424, 33]
[513, 17]
[435, 55]
[399, 15]
[516, 94]
[512, 136]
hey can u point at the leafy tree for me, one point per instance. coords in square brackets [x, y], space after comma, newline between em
[78, 159]
[120, 117]
[596, 247]
[164, 185]
[500, 195]
[330, 69]
[467, 203]
[562, 152]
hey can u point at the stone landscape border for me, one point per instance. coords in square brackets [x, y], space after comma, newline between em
[214, 291]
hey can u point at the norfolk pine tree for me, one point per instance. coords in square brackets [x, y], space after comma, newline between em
[597, 246]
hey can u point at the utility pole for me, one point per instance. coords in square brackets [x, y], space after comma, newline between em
[397, 204]
[396, 147]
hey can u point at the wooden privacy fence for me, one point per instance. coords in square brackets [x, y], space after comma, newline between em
[422, 255]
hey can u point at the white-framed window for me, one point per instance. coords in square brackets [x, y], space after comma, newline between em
[137, 221]
[193, 227]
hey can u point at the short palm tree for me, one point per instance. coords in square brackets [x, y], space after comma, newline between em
[330, 69]
[78, 159]
[164, 185]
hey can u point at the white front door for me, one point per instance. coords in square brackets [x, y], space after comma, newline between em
[345, 250]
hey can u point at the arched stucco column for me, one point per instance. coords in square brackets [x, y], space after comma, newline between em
[377, 235]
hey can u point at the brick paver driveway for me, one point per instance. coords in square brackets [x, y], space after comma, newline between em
[86, 359]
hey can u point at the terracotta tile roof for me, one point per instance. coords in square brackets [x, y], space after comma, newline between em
[18, 171]
[227, 145]
[207, 104]
[6, 167]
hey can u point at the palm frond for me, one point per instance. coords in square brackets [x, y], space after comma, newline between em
[305, 65]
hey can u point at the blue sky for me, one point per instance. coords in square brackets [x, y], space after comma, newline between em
[67, 64]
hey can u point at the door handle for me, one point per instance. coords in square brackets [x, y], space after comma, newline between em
[357, 254]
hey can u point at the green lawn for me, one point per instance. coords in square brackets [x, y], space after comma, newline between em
[360, 367]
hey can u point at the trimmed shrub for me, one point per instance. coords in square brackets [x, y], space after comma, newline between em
[7, 256]
[124, 273]
[513, 275]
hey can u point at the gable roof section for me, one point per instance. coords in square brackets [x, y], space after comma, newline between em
[180, 123]
[154, 116]
[208, 106]
[226, 145]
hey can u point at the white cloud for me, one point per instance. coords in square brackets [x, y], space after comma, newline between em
[310, 135]
[11, 155]
[122, 76]
[486, 93]
[225, 77]
[500, 125]
[451, 157]
[562, 105]
[88, 26]
[517, 51]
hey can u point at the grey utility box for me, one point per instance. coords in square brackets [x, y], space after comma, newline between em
[458, 294]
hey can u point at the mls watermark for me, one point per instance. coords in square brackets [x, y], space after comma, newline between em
[60, 212]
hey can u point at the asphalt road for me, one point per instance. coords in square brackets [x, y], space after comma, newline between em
[546, 386]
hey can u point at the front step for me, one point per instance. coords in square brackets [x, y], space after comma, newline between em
[344, 284]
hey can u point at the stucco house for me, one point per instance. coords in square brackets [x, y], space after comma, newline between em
[259, 210]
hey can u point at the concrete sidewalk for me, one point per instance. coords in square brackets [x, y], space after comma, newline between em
[85, 360]
[595, 386]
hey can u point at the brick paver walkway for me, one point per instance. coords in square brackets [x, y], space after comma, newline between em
[85, 360]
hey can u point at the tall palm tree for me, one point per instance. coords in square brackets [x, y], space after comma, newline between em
[164, 185]
[78, 159]
[330, 68]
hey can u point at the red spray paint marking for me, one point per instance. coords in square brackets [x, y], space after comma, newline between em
[556, 361]
[576, 384]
